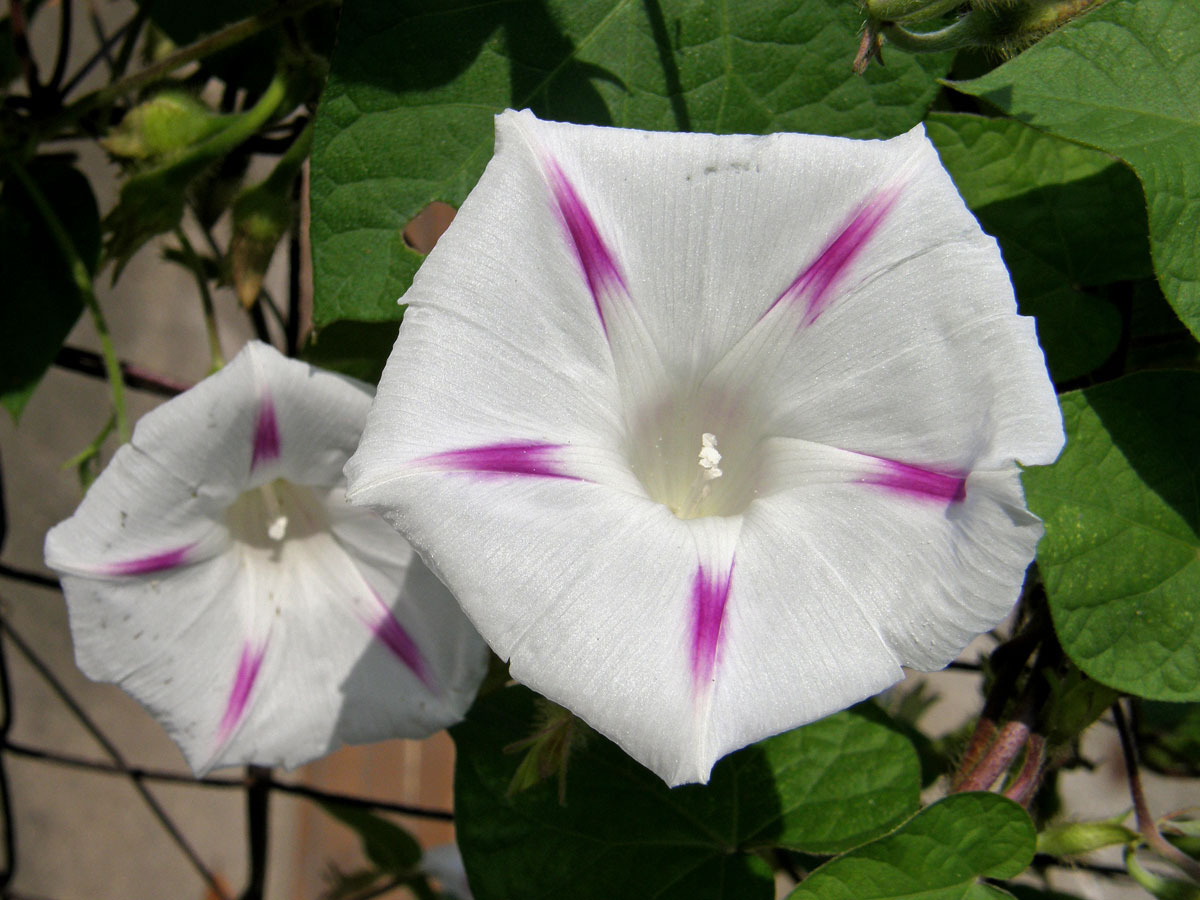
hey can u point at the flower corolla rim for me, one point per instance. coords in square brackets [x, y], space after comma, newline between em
[711, 435]
[215, 572]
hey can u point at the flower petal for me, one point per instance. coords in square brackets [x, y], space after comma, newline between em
[724, 444]
[266, 433]
[301, 425]
[244, 680]
[732, 221]
[216, 573]
[608, 598]
[924, 283]
[521, 458]
[143, 519]
[342, 665]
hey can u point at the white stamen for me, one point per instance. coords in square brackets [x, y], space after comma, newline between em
[277, 529]
[709, 457]
[708, 460]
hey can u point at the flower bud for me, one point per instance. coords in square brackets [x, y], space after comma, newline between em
[161, 126]
[1076, 838]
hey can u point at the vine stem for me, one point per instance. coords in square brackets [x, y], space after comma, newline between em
[1007, 661]
[217, 359]
[1145, 820]
[215, 42]
[83, 282]
[1029, 778]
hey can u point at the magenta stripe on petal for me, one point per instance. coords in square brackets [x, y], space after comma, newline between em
[504, 459]
[393, 635]
[815, 286]
[243, 684]
[266, 434]
[710, 593]
[155, 562]
[599, 268]
[915, 481]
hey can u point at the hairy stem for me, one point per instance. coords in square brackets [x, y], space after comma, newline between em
[1145, 821]
[1029, 779]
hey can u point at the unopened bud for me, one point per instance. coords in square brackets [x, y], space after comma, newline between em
[161, 126]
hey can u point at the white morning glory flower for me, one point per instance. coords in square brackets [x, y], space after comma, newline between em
[711, 435]
[217, 574]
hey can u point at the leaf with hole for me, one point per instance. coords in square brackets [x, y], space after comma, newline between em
[406, 118]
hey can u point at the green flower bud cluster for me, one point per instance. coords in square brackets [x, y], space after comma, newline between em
[1005, 27]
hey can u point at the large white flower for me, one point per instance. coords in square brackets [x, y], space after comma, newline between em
[711, 435]
[216, 572]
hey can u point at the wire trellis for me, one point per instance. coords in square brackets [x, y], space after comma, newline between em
[258, 784]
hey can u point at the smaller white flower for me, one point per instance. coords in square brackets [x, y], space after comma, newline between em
[216, 573]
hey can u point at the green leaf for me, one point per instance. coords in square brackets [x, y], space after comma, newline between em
[388, 846]
[1169, 737]
[936, 855]
[41, 301]
[406, 117]
[985, 892]
[1126, 78]
[1121, 555]
[357, 349]
[621, 832]
[1075, 702]
[1066, 217]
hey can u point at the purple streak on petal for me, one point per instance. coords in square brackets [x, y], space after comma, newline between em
[155, 562]
[266, 434]
[599, 268]
[504, 459]
[239, 695]
[710, 593]
[815, 286]
[944, 486]
[393, 635]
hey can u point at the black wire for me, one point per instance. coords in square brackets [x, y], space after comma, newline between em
[102, 739]
[299, 790]
[103, 52]
[66, 15]
[28, 577]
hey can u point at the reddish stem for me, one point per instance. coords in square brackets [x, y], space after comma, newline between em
[1029, 779]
